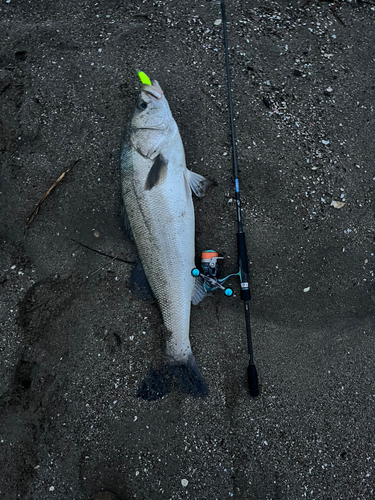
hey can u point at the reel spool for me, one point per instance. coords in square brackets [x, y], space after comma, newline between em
[210, 265]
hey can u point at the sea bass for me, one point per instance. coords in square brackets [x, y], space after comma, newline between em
[159, 214]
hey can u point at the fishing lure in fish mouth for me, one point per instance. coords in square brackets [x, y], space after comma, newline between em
[150, 87]
[144, 78]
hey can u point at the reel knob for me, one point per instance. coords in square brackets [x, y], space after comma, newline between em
[195, 272]
[228, 292]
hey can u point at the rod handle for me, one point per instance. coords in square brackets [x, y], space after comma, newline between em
[252, 380]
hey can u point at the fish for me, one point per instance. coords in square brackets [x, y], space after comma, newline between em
[159, 215]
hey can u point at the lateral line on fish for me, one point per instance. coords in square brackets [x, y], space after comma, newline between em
[141, 209]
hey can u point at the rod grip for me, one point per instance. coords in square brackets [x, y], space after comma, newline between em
[252, 379]
[244, 266]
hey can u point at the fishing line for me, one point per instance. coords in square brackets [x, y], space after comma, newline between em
[252, 375]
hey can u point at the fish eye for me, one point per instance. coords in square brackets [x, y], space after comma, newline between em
[142, 105]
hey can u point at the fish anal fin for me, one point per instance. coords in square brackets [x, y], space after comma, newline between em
[198, 184]
[141, 286]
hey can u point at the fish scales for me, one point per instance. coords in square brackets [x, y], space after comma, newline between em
[162, 223]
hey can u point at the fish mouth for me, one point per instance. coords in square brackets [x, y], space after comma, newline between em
[153, 91]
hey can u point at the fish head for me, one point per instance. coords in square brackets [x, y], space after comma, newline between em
[152, 124]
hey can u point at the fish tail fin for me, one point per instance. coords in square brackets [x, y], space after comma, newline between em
[158, 382]
[155, 385]
[189, 378]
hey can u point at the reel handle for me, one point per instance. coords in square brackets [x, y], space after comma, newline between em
[211, 283]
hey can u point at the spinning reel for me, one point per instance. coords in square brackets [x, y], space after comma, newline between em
[209, 265]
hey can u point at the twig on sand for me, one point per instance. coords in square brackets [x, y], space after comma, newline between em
[36, 209]
[333, 10]
[101, 267]
[102, 253]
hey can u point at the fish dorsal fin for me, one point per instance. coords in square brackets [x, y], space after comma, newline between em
[199, 291]
[157, 173]
[198, 184]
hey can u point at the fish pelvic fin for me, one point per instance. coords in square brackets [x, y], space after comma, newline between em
[199, 291]
[159, 382]
[198, 184]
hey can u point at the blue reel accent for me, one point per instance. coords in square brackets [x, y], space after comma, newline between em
[228, 292]
[195, 272]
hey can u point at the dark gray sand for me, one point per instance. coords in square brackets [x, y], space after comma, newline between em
[74, 349]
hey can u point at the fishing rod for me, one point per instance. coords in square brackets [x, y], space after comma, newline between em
[252, 375]
[209, 263]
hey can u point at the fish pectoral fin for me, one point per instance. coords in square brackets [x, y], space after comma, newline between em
[199, 291]
[198, 184]
[157, 173]
[141, 286]
[125, 218]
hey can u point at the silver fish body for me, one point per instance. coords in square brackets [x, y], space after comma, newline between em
[156, 189]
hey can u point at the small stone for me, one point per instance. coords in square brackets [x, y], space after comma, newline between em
[266, 102]
[96, 234]
[297, 72]
[184, 482]
[328, 91]
[307, 289]
[217, 22]
[51, 488]
[337, 204]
